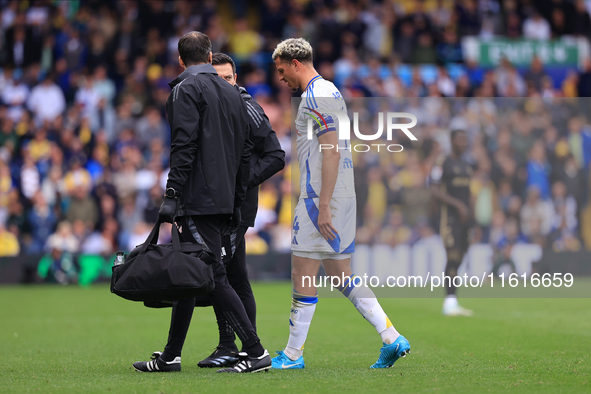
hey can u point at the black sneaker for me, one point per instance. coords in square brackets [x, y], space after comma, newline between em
[221, 357]
[247, 364]
[158, 365]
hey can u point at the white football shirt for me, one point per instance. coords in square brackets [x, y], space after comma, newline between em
[318, 99]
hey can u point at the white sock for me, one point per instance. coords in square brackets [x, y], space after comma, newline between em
[367, 304]
[302, 312]
[451, 301]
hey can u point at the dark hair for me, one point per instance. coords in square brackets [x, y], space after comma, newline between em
[194, 48]
[455, 132]
[220, 58]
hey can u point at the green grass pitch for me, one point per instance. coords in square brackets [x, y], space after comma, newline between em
[69, 339]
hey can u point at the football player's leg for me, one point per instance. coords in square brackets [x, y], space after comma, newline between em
[451, 306]
[365, 301]
[362, 297]
[303, 306]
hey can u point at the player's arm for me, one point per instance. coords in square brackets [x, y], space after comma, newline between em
[438, 176]
[330, 172]
[439, 194]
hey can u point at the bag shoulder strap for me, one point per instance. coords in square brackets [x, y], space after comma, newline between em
[152, 238]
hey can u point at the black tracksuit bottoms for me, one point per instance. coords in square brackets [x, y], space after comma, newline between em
[237, 273]
[223, 297]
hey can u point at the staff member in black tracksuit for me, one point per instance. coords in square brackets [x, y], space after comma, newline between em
[267, 158]
[207, 183]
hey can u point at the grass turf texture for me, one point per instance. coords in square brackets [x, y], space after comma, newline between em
[69, 339]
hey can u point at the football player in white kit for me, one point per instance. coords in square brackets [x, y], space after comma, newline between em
[325, 216]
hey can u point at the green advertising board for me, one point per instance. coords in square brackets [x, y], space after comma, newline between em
[521, 52]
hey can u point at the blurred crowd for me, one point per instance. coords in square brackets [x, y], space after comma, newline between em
[84, 139]
[530, 181]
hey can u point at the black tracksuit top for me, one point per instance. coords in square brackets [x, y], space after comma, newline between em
[210, 150]
[267, 156]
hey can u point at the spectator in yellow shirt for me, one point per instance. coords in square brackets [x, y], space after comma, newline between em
[244, 41]
[40, 147]
[9, 245]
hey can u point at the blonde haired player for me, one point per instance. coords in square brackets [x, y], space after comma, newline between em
[324, 219]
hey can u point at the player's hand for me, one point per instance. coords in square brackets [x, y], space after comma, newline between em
[233, 223]
[325, 223]
[464, 213]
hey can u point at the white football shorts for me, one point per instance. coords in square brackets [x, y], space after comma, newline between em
[306, 238]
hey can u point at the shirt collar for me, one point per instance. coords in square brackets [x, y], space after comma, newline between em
[312, 80]
[205, 68]
[243, 92]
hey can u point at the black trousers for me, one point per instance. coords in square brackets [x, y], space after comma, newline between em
[454, 234]
[207, 229]
[238, 278]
